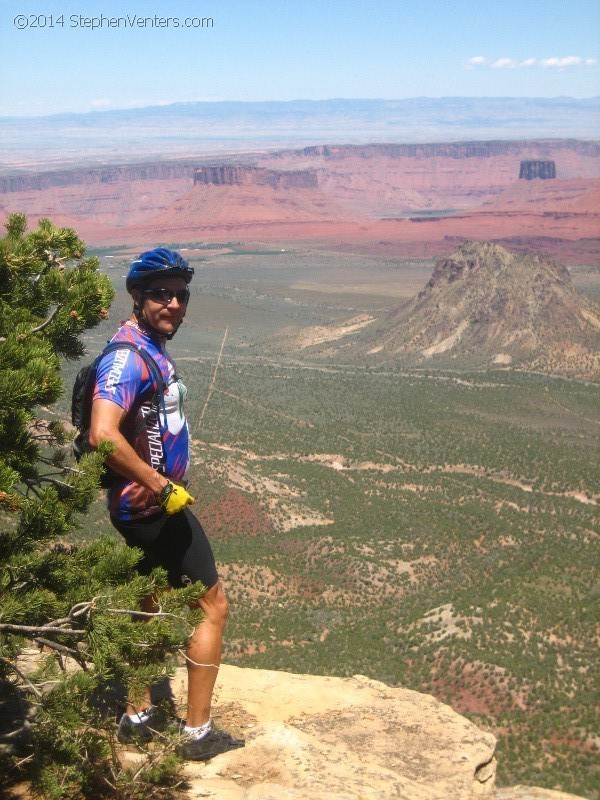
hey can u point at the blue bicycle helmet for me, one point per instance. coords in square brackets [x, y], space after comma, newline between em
[157, 263]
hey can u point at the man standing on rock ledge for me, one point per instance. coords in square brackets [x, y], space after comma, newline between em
[149, 505]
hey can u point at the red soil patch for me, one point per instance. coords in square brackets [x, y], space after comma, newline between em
[476, 689]
[235, 514]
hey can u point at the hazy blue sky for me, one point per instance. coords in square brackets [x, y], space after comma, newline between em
[291, 49]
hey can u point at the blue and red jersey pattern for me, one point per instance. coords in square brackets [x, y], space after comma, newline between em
[158, 432]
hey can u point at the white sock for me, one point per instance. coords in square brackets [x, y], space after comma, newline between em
[140, 717]
[200, 732]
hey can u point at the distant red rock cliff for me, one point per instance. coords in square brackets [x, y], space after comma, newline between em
[231, 175]
[40, 181]
[357, 196]
[545, 169]
[447, 150]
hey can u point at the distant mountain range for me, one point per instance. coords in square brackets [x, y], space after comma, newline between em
[201, 127]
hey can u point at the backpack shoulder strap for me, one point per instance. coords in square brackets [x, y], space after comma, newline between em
[154, 369]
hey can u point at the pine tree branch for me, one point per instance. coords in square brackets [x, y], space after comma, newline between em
[20, 763]
[31, 631]
[40, 431]
[55, 482]
[59, 469]
[112, 785]
[13, 580]
[63, 468]
[37, 278]
[6, 737]
[146, 614]
[79, 609]
[148, 763]
[45, 437]
[47, 321]
[21, 675]
[31, 487]
[76, 655]
[56, 622]
[151, 615]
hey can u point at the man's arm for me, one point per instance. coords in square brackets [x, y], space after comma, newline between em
[105, 426]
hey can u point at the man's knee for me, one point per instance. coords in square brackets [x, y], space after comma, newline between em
[215, 605]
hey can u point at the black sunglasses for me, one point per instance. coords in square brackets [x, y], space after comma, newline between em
[161, 295]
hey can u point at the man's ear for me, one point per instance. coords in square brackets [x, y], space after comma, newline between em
[137, 300]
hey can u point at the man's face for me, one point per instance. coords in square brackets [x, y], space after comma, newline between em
[165, 314]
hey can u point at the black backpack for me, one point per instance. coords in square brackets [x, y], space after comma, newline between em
[83, 394]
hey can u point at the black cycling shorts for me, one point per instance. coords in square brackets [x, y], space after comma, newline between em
[175, 542]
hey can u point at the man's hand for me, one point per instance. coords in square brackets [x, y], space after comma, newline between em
[174, 498]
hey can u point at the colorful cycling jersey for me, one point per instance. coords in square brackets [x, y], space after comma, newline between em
[124, 378]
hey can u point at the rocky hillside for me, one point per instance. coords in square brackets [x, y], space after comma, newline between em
[323, 738]
[486, 305]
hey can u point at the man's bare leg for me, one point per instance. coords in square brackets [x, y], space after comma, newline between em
[204, 648]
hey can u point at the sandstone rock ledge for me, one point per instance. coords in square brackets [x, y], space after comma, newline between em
[321, 738]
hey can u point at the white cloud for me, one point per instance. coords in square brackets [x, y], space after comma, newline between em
[101, 102]
[476, 61]
[504, 63]
[554, 62]
[561, 63]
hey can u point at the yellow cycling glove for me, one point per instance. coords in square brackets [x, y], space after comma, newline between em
[174, 498]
